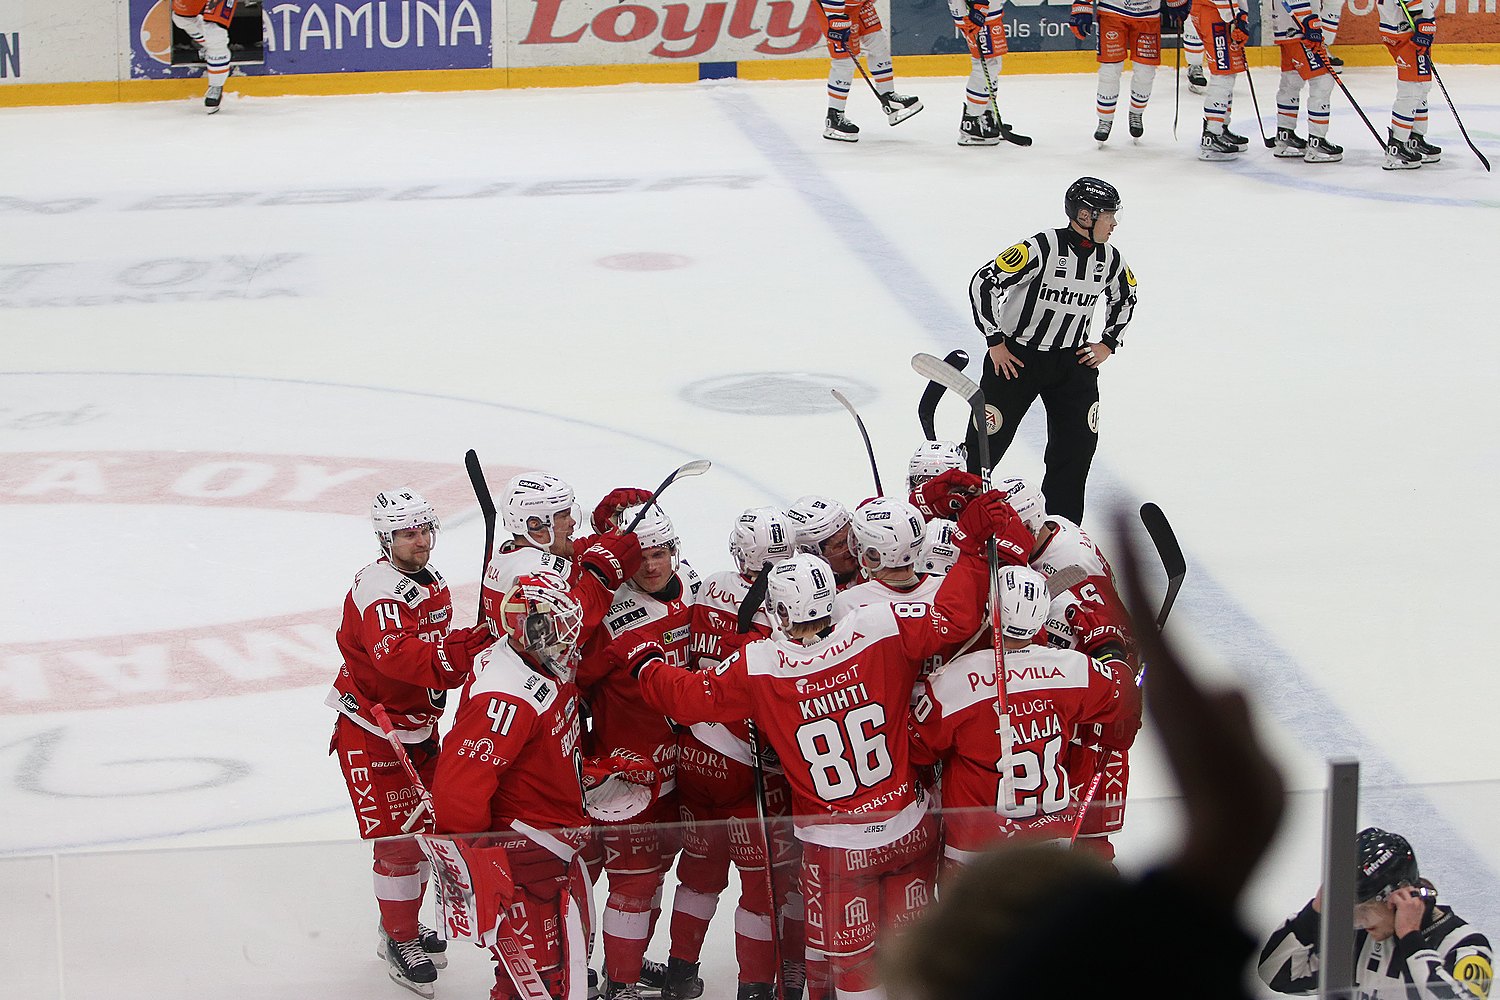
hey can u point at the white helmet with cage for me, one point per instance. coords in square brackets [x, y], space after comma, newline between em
[886, 533]
[541, 618]
[933, 458]
[1023, 602]
[762, 536]
[531, 500]
[655, 530]
[939, 552]
[396, 510]
[816, 519]
[800, 590]
[1027, 501]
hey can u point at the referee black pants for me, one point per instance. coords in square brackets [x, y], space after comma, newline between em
[1070, 393]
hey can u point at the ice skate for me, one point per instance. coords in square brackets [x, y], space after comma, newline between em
[1137, 124]
[1320, 150]
[408, 965]
[1197, 82]
[979, 130]
[213, 99]
[1289, 145]
[1216, 146]
[839, 128]
[899, 107]
[1101, 132]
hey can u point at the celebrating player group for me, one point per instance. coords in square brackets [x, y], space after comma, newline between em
[866, 697]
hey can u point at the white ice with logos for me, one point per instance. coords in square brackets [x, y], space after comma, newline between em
[222, 334]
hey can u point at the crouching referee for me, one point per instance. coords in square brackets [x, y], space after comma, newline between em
[1034, 303]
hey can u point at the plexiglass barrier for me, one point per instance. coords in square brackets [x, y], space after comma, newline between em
[300, 919]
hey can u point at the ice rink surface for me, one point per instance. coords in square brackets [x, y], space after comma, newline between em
[223, 334]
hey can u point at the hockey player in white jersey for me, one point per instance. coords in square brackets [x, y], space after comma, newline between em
[1408, 29]
[886, 537]
[823, 530]
[1299, 36]
[852, 26]
[1127, 29]
[1408, 946]
[207, 24]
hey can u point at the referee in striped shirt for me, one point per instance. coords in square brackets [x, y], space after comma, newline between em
[1034, 303]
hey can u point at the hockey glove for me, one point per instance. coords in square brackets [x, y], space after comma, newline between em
[1173, 18]
[1081, 21]
[613, 559]
[839, 30]
[644, 654]
[989, 516]
[1312, 30]
[1239, 30]
[977, 13]
[946, 494]
[624, 764]
[609, 508]
[1423, 31]
[1097, 635]
[456, 650]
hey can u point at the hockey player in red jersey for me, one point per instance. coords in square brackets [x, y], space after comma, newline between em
[399, 652]
[1050, 693]
[830, 699]
[885, 536]
[512, 772]
[823, 530]
[653, 607]
[207, 24]
[1086, 611]
[716, 794]
[540, 512]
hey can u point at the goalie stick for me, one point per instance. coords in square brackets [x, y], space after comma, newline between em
[927, 405]
[874, 469]
[937, 370]
[508, 945]
[1170, 553]
[697, 467]
[486, 508]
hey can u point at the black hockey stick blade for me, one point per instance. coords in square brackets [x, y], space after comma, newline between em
[1165, 540]
[696, 467]
[870, 451]
[937, 370]
[486, 508]
[927, 405]
[754, 598]
[1013, 137]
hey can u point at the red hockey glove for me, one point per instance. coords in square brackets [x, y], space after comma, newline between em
[609, 508]
[625, 764]
[1097, 636]
[456, 650]
[494, 885]
[946, 494]
[612, 558]
[1239, 29]
[989, 516]
[644, 654]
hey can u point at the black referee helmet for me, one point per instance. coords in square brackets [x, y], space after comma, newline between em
[1386, 863]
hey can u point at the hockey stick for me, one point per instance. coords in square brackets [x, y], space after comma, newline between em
[1353, 103]
[1006, 132]
[1170, 553]
[878, 96]
[1260, 125]
[1177, 89]
[754, 598]
[936, 370]
[508, 946]
[927, 405]
[697, 467]
[486, 508]
[1411, 22]
[870, 451]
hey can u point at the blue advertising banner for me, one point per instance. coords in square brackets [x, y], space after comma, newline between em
[335, 36]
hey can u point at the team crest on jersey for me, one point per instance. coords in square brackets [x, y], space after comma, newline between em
[409, 592]
[1012, 259]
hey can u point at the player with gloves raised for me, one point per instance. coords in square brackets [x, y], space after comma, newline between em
[982, 23]
[1127, 29]
[401, 652]
[823, 530]
[637, 824]
[850, 26]
[716, 793]
[1224, 26]
[831, 700]
[510, 771]
[540, 513]
[1304, 59]
[1051, 693]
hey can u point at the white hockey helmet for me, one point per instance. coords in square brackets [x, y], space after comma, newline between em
[886, 533]
[939, 553]
[655, 530]
[541, 617]
[817, 519]
[529, 502]
[1027, 501]
[762, 536]
[396, 510]
[933, 458]
[800, 590]
[1023, 602]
